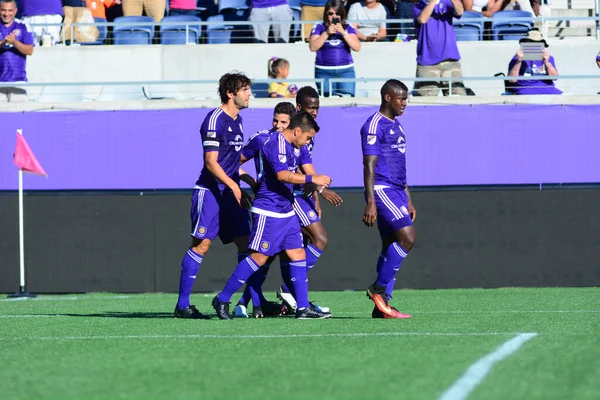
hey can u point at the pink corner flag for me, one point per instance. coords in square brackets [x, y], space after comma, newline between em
[25, 159]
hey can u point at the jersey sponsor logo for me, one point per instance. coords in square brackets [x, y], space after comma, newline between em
[312, 215]
[201, 231]
[371, 139]
[212, 143]
[334, 42]
[400, 145]
[264, 246]
[211, 134]
[282, 158]
[237, 143]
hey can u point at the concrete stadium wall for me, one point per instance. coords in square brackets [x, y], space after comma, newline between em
[124, 242]
[201, 62]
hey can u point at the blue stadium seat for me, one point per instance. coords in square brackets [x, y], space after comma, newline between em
[504, 27]
[218, 33]
[128, 31]
[176, 34]
[260, 90]
[295, 5]
[234, 5]
[469, 31]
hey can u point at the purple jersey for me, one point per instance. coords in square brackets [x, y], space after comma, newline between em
[252, 149]
[335, 52]
[533, 68]
[274, 197]
[12, 61]
[268, 3]
[385, 139]
[436, 38]
[224, 134]
[31, 8]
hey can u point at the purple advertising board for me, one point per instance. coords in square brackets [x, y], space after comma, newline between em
[446, 145]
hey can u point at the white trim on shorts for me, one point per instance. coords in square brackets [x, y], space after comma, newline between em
[260, 227]
[389, 204]
[272, 214]
[301, 214]
[201, 193]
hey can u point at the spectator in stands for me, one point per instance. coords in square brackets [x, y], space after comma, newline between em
[437, 51]
[279, 68]
[16, 43]
[404, 10]
[333, 41]
[182, 7]
[152, 8]
[534, 7]
[311, 10]
[39, 13]
[98, 7]
[543, 67]
[271, 10]
[486, 7]
[365, 11]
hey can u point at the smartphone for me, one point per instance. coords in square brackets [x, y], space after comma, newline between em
[335, 20]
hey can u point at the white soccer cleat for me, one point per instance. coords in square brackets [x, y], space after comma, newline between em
[240, 311]
[287, 299]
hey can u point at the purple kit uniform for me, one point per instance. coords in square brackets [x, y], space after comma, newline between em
[12, 61]
[215, 211]
[304, 206]
[275, 225]
[385, 139]
[252, 149]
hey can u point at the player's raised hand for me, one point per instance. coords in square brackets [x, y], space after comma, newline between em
[321, 180]
[370, 215]
[332, 197]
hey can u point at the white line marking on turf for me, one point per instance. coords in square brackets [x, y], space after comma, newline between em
[490, 312]
[477, 372]
[72, 298]
[307, 335]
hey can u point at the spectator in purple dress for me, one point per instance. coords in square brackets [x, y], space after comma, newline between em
[38, 13]
[333, 40]
[437, 51]
[543, 67]
[16, 43]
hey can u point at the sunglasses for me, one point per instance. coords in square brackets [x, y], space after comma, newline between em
[332, 13]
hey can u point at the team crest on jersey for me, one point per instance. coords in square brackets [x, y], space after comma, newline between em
[264, 246]
[211, 134]
[282, 158]
[201, 231]
[404, 210]
[17, 32]
[371, 139]
[312, 215]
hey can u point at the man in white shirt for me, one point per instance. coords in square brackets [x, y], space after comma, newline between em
[360, 16]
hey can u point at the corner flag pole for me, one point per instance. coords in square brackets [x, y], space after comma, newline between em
[22, 292]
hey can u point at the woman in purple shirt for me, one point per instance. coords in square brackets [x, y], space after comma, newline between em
[333, 40]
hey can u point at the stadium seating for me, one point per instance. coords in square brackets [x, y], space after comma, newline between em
[234, 5]
[102, 32]
[218, 33]
[469, 31]
[504, 26]
[176, 34]
[260, 90]
[129, 31]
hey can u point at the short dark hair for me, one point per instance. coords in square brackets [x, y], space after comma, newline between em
[304, 93]
[390, 86]
[338, 6]
[9, 1]
[285, 107]
[304, 121]
[232, 82]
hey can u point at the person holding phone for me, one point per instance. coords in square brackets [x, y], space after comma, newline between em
[333, 40]
[545, 66]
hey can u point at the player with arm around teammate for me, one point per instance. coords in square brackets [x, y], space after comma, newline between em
[386, 192]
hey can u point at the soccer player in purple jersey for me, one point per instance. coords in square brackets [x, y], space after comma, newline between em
[306, 203]
[282, 116]
[276, 228]
[217, 198]
[386, 193]
[16, 43]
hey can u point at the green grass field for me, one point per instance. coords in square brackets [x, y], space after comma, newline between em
[110, 346]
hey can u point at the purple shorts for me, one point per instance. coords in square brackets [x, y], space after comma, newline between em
[305, 210]
[271, 236]
[215, 213]
[392, 210]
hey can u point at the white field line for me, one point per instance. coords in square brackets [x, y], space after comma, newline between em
[292, 336]
[489, 312]
[477, 372]
[66, 298]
